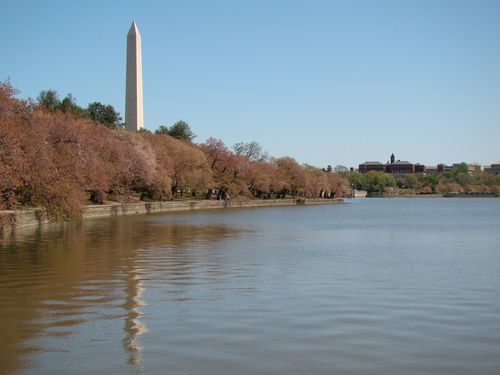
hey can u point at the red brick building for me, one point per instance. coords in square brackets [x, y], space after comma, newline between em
[419, 168]
[371, 166]
[493, 169]
[399, 167]
[394, 167]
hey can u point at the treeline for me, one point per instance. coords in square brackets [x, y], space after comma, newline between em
[458, 180]
[61, 159]
[105, 114]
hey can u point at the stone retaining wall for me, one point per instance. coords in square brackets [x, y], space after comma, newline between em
[10, 220]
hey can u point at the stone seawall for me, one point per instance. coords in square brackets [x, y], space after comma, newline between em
[10, 220]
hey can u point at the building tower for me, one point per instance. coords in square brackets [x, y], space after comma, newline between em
[392, 158]
[134, 113]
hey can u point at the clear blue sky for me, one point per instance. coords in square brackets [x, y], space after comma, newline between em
[326, 82]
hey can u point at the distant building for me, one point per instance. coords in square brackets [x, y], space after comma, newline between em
[431, 170]
[471, 168]
[399, 167]
[419, 168]
[394, 167]
[493, 169]
[442, 168]
[371, 166]
[475, 168]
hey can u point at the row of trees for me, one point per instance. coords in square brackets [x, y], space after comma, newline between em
[105, 114]
[458, 180]
[61, 158]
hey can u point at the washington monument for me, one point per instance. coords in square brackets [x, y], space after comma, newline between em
[134, 115]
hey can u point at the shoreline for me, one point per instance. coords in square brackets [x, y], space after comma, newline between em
[405, 196]
[11, 220]
[433, 196]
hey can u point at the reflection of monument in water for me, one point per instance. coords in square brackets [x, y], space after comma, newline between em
[134, 112]
[134, 121]
[133, 326]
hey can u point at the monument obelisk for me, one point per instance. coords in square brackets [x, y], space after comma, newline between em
[134, 113]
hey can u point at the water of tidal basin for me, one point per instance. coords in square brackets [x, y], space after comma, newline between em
[374, 286]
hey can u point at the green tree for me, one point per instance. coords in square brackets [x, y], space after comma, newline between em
[432, 180]
[428, 183]
[179, 130]
[462, 168]
[410, 181]
[162, 129]
[49, 100]
[378, 181]
[104, 114]
[463, 178]
[68, 104]
[358, 181]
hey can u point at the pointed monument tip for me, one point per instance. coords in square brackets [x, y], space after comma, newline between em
[133, 28]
